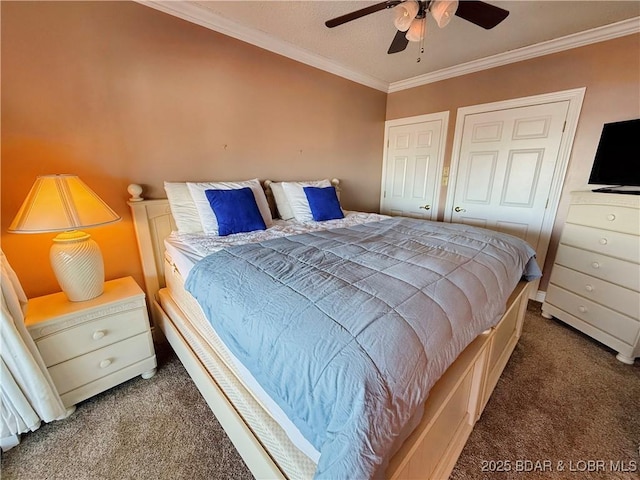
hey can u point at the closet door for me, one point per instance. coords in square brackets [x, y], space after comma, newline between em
[412, 166]
[507, 164]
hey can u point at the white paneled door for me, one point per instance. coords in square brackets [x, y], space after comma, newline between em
[506, 167]
[413, 166]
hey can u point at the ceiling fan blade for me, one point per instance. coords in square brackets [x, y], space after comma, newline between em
[482, 14]
[399, 42]
[334, 22]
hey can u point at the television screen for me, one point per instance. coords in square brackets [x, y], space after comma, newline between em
[617, 160]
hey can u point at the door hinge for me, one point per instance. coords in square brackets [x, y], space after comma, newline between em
[546, 204]
[564, 126]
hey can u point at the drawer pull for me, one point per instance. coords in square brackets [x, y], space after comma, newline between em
[595, 265]
[98, 334]
[603, 241]
[588, 288]
[582, 309]
[105, 363]
[611, 217]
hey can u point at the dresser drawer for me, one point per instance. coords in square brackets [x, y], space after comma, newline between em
[608, 242]
[611, 269]
[99, 363]
[613, 296]
[86, 337]
[615, 324]
[608, 217]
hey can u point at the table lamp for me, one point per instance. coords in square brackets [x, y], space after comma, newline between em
[64, 203]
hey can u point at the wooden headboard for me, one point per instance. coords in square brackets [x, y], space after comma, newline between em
[153, 222]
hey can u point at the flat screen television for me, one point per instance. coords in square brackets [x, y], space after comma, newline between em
[617, 160]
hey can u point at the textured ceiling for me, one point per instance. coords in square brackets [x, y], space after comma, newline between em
[361, 45]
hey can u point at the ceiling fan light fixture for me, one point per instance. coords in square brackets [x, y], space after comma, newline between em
[404, 14]
[417, 30]
[443, 11]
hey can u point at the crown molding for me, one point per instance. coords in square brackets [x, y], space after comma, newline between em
[600, 34]
[195, 13]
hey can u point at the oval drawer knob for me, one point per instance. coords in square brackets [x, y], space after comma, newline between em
[582, 309]
[595, 265]
[105, 363]
[603, 241]
[611, 217]
[98, 334]
[588, 288]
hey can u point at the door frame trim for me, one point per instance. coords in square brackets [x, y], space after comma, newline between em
[575, 98]
[430, 117]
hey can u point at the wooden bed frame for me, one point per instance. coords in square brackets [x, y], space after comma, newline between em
[454, 405]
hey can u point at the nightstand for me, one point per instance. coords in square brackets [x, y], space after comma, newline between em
[91, 346]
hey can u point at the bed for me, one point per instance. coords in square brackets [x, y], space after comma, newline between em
[431, 436]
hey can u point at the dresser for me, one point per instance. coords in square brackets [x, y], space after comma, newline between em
[94, 345]
[595, 281]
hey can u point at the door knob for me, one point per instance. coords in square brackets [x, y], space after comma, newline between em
[426, 207]
[458, 209]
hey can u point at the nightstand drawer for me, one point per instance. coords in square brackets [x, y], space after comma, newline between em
[86, 337]
[613, 296]
[619, 326]
[81, 370]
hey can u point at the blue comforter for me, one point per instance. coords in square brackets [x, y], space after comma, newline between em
[348, 329]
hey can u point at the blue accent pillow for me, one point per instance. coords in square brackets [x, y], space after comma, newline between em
[324, 203]
[236, 210]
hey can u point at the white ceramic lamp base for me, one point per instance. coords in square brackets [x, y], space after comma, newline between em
[77, 263]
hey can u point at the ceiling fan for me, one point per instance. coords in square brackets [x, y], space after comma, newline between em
[410, 17]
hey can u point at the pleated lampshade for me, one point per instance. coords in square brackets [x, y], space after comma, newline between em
[61, 202]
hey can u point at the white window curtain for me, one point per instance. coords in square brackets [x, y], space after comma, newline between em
[28, 395]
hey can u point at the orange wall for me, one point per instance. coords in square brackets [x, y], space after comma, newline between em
[117, 92]
[609, 70]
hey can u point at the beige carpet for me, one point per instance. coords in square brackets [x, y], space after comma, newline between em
[562, 398]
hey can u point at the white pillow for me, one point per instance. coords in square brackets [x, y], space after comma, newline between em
[282, 204]
[183, 208]
[205, 212]
[297, 199]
